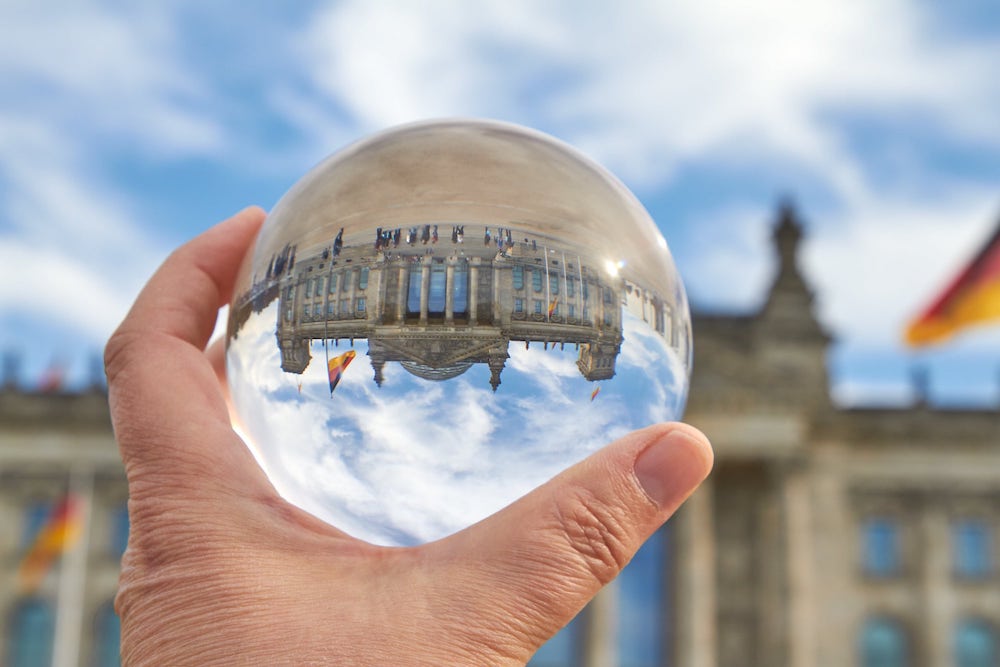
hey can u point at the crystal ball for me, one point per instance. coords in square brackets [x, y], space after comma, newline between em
[439, 318]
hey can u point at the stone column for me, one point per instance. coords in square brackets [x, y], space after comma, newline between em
[801, 574]
[449, 291]
[600, 645]
[401, 292]
[351, 305]
[695, 576]
[934, 567]
[425, 288]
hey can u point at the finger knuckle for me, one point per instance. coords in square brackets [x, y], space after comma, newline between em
[598, 534]
[118, 353]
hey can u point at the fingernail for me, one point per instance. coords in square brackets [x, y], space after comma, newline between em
[671, 467]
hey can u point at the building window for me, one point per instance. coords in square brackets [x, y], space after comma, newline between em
[584, 290]
[607, 295]
[317, 310]
[460, 288]
[437, 292]
[880, 548]
[538, 307]
[554, 283]
[119, 530]
[363, 278]
[331, 308]
[536, 280]
[975, 644]
[572, 310]
[362, 304]
[884, 644]
[348, 277]
[518, 277]
[333, 283]
[413, 290]
[305, 311]
[345, 306]
[107, 637]
[309, 288]
[320, 284]
[570, 290]
[288, 314]
[970, 547]
[518, 305]
[32, 626]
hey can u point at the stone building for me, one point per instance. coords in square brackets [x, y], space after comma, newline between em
[438, 310]
[825, 536]
[52, 444]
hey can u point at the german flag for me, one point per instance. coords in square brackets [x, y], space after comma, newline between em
[972, 298]
[59, 533]
[337, 366]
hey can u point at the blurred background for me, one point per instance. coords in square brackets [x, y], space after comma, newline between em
[820, 170]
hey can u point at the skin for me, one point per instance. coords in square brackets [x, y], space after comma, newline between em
[220, 570]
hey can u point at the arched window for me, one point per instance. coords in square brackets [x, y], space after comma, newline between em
[518, 277]
[413, 288]
[107, 637]
[884, 644]
[460, 287]
[975, 644]
[32, 625]
[437, 291]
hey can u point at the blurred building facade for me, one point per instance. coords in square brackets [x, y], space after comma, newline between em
[825, 536]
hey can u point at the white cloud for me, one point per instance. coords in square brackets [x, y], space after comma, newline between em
[876, 266]
[90, 68]
[80, 82]
[647, 88]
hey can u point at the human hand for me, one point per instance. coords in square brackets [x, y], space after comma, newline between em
[221, 570]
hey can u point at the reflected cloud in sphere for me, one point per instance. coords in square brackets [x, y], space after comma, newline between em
[440, 318]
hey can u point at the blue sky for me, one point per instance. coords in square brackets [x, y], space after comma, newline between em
[126, 128]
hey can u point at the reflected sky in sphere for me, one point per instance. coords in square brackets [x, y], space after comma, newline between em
[440, 318]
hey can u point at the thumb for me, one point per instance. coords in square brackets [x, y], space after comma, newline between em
[538, 562]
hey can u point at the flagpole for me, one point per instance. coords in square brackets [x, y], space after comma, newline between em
[326, 318]
[548, 287]
[72, 575]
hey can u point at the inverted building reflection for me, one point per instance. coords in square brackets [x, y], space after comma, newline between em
[439, 301]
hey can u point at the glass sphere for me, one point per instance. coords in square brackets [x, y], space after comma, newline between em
[443, 316]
